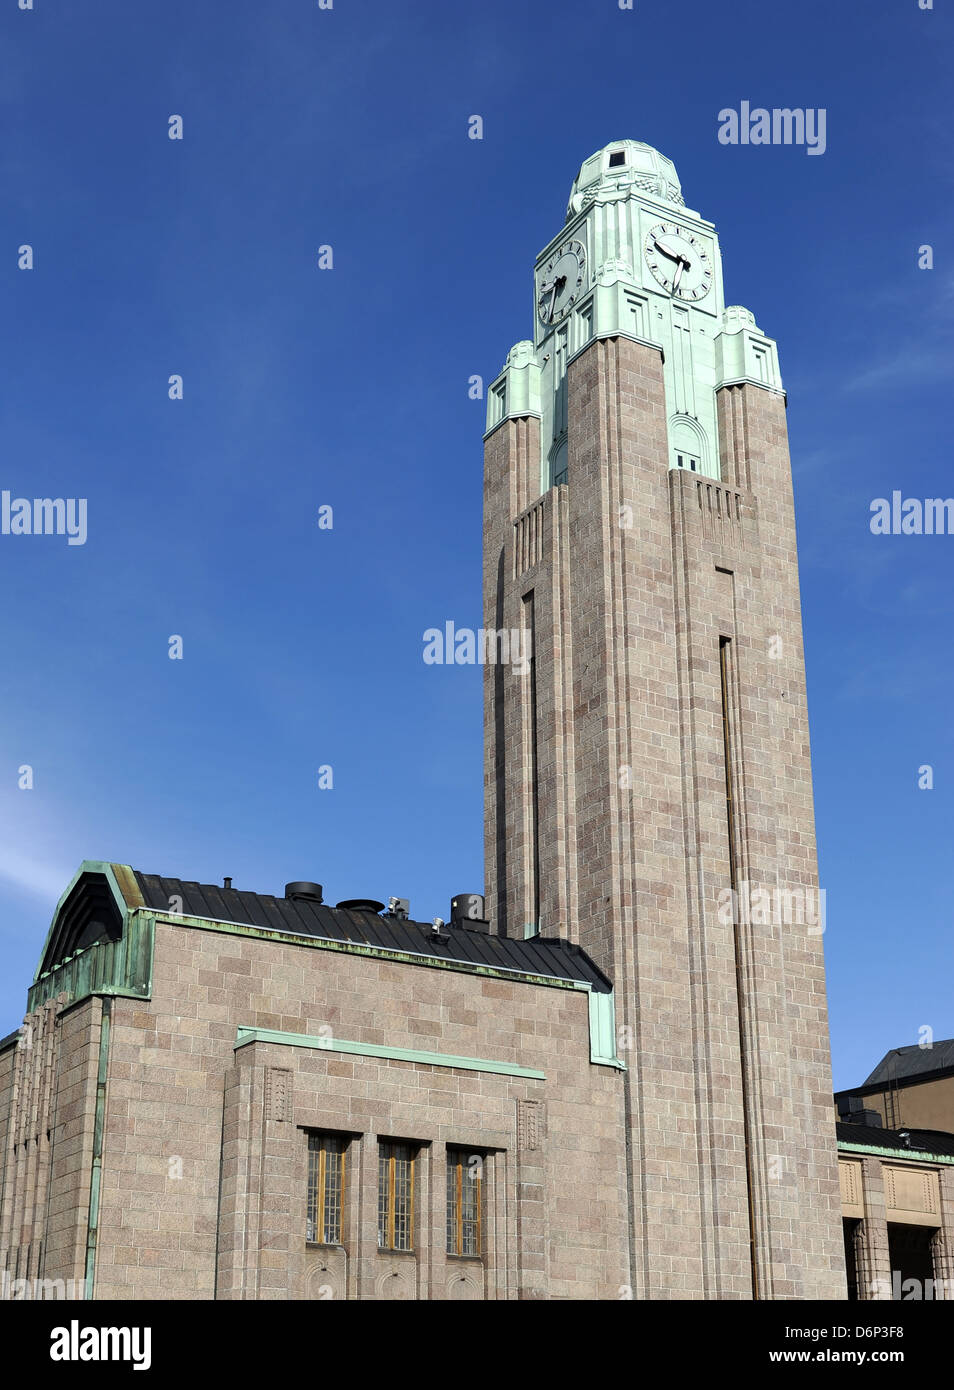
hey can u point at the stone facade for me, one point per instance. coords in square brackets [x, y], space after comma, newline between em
[200, 1149]
[639, 575]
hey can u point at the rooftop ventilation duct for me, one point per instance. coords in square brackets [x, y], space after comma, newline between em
[304, 892]
[853, 1110]
[467, 911]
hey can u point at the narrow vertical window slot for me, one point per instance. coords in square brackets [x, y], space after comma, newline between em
[533, 806]
[730, 810]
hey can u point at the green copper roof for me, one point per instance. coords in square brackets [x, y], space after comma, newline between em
[623, 166]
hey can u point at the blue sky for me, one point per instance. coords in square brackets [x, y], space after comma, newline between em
[348, 388]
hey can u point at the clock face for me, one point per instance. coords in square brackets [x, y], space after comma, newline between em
[561, 282]
[679, 261]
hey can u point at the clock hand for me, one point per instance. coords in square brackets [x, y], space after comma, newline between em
[558, 286]
[669, 252]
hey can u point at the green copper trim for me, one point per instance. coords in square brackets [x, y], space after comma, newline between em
[603, 1031]
[515, 393]
[122, 967]
[751, 381]
[601, 337]
[126, 894]
[904, 1155]
[744, 354]
[513, 415]
[353, 948]
[633, 159]
[394, 1054]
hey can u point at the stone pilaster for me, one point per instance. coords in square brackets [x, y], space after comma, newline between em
[511, 480]
[532, 1241]
[782, 973]
[871, 1237]
[631, 878]
[942, 1247]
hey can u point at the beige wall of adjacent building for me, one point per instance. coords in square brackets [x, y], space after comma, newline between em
[878, 1192]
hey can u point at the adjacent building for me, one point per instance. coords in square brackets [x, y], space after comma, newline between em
[896, 1156]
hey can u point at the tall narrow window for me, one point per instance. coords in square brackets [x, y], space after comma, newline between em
[326, 1176]
[396, 1164]
[465, 1180]
[731, 812]
[530, 735]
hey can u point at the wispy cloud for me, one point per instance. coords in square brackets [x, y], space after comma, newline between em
[912, 362]
[920, 349]
[34, 862]
[42, 879]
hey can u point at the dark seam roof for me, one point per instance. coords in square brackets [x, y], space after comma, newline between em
[539, 956]
[880, 1087]
[906, 1063]
[922, 1140]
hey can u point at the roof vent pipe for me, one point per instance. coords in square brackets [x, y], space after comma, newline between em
[361, 905]
[467, 910]
[303, 891]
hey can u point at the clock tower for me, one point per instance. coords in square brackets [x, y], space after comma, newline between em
[647, 773]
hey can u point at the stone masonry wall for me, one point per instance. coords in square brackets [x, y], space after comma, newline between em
[180, 1096]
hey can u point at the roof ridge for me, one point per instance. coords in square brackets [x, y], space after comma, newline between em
[553, 957]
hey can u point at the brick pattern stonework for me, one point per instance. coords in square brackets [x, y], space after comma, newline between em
[205, 1153]
[872, 1257]
[943, 1250]
[638, 574]
[48, 1145]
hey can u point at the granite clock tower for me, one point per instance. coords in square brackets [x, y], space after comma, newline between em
[648, 778]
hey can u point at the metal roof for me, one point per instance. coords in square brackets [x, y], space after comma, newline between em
[907, 1063]
[549, 956]
[922, 1141]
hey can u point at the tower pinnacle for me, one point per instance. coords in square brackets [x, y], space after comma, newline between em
[620, 168]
